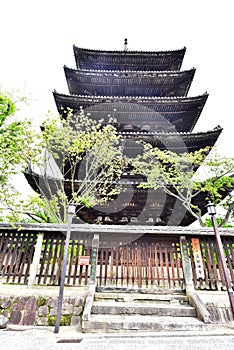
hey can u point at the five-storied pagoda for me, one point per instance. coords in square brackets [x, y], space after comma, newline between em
[146, 94]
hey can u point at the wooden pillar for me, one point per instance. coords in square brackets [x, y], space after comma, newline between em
[36, 261]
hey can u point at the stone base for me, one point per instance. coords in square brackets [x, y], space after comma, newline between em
[41, 310]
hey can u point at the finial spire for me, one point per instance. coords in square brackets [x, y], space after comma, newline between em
[125, 44]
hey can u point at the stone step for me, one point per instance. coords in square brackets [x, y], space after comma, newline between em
[142, 297]
[139, 308]
[126, 323]
[140, 290]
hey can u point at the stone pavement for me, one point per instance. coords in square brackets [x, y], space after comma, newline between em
[44, 338]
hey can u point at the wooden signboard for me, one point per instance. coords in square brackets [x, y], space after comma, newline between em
[198, 258]
[84, 260]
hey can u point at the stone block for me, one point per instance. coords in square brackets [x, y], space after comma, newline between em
[75, 321]
[43, 310]
[52, 302]
[31, 304]
[71, 300]
[67, 309]
[53, 311]
[6, 303]
[21, 303]
[16, 317]
[3, 321]
[77, 310]
[78, 301]
[29, 318]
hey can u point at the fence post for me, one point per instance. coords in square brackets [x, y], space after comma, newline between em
[36, 261]
[92, 278]
[193, 298]
[186, 263]
[94, 259]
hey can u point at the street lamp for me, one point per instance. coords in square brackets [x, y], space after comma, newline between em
[212, 212]
[71, 211]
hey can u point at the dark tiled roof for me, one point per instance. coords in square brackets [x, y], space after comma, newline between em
[158, 114]
[175, 142]
[131, 83]
[137, 205]
[128, 60]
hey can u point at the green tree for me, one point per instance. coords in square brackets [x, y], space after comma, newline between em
[82, 162]
[219, 178]
[178, 176]
[18, 145]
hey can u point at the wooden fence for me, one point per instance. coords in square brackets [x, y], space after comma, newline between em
[152, 263]
[211, 264]
[16, 253]
[141, 264]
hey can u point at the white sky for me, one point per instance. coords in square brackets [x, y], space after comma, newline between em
[37, 38]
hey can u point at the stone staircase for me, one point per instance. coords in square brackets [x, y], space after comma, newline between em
[142, 310]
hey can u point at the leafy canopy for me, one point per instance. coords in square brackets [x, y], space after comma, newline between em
[83, 161]
[18, 145]
[178, 175]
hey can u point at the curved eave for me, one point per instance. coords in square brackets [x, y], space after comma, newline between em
[141, 199]
[49, 186]
[157, 84]
[175, 142]
[128, 60]
[180, 112]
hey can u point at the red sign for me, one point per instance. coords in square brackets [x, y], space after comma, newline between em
[198, 258]
[84, 260]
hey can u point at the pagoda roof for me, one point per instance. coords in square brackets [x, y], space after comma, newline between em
[154, 113]
[172, 141]
[128, 60]
[175, 142]
[129, 83]
[136, 203]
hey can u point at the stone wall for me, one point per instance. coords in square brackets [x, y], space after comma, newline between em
[41, 311]
[218, 305]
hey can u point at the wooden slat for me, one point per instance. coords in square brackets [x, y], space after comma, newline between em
[60, 260]
[76, 262]
[111, 260]
[229, 253]
[30, 241]
[172, 265]
[54, 262]
[168, 278]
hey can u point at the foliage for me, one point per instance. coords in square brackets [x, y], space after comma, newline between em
[17, 140]
[220, 223]
[86, 151]
[83, 153]
[30, 210]
[18, 146]
[177, 175]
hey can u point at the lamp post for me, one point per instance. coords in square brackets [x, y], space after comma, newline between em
[71, 211]
[212, 212]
